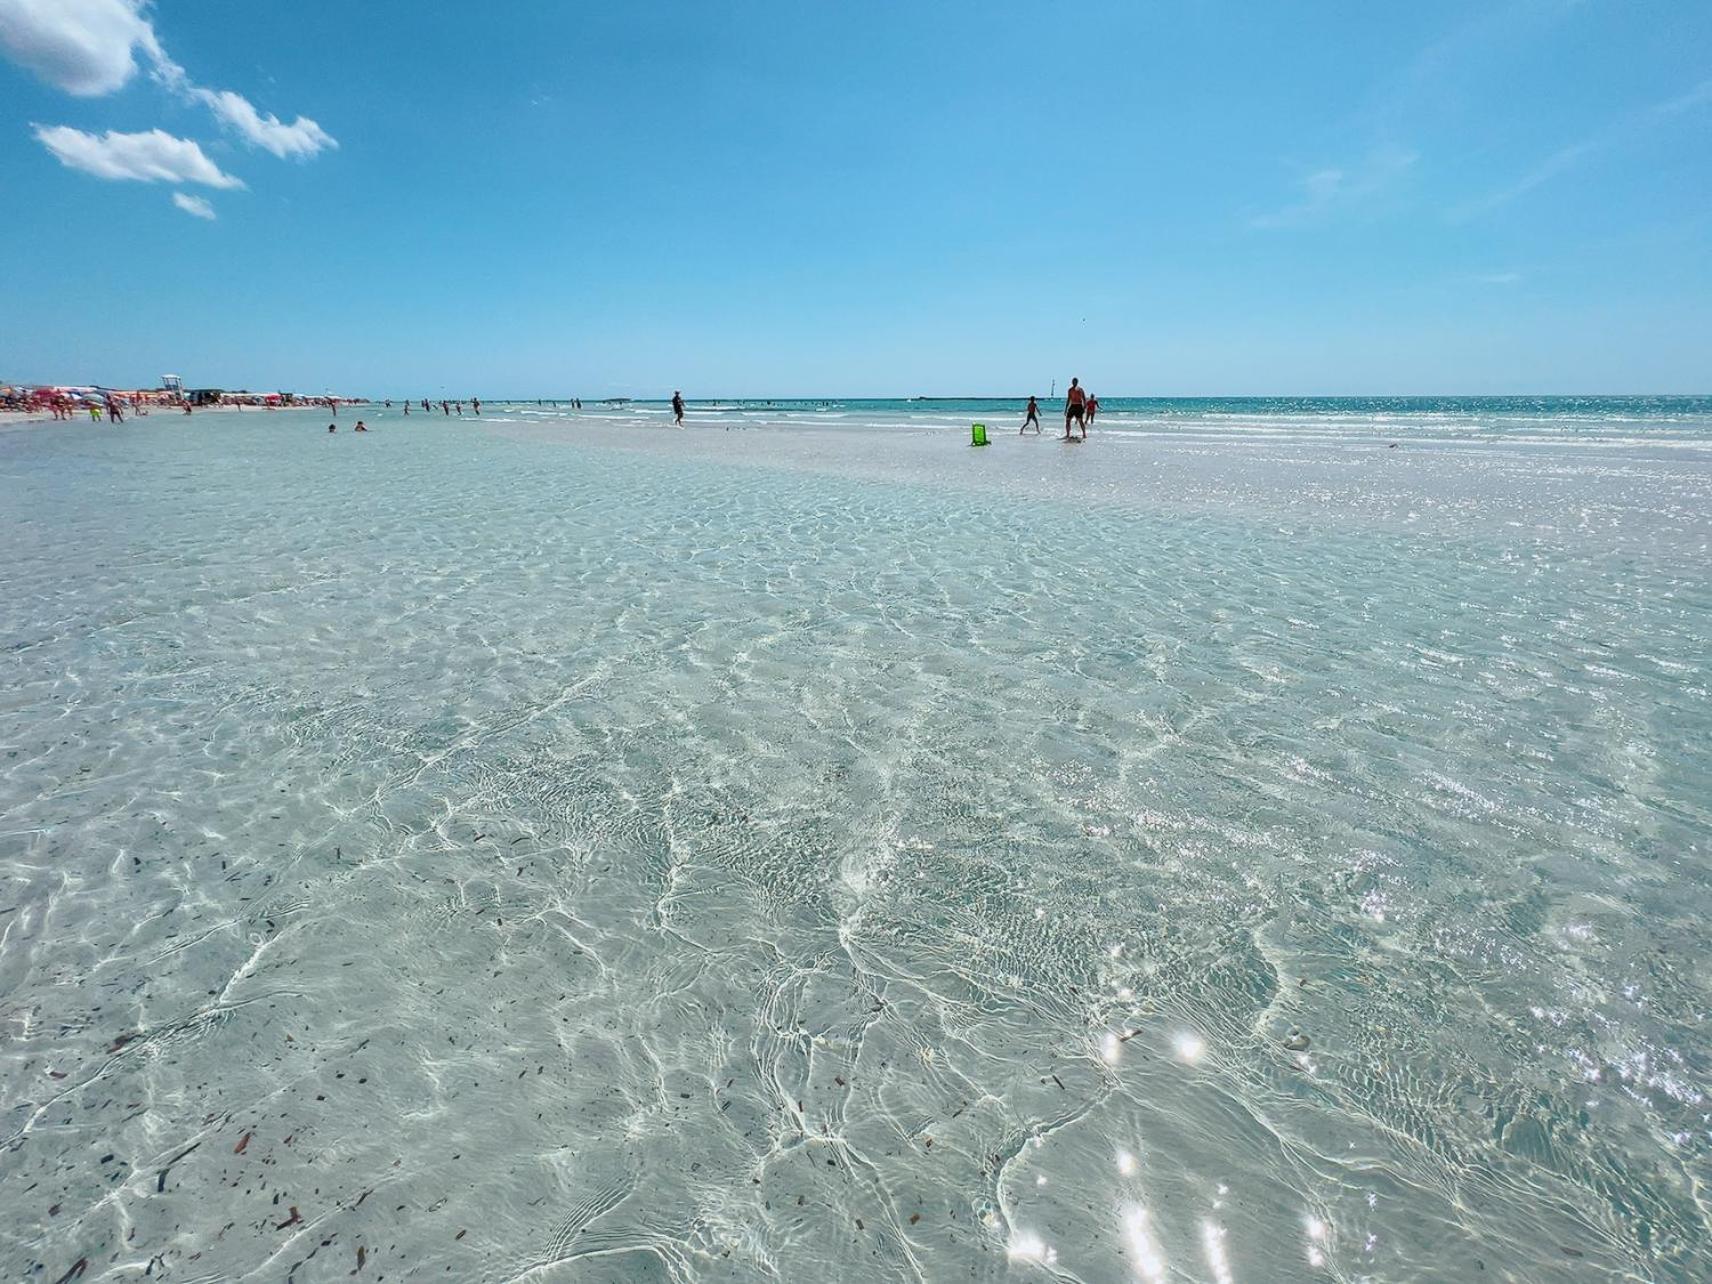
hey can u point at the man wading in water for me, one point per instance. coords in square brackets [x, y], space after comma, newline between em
[678, 408]
[1074, 404]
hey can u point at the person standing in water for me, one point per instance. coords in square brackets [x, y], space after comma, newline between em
[678, 408]
[1075, 404]
[1093, 409]
[1032, 417]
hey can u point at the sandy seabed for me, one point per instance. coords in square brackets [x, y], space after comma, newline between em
[562, 848]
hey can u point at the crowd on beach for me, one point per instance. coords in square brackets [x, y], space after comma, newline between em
[113, 405]
[66, 404]
[98, 404]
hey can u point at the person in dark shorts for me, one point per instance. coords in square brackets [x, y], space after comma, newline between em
[678, 408]
[1075, 405]
[1032, 417]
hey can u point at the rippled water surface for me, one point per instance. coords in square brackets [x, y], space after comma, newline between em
[557, 848]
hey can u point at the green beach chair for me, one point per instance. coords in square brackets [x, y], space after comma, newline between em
[978, 433]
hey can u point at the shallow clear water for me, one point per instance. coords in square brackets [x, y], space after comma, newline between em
[560, 848]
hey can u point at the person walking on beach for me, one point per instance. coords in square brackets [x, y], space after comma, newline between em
[1093, 409]
[1032, 417]
[678, 408]
[1075, 404]
[475, 405]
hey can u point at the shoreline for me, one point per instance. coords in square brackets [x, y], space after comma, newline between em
[25, 418]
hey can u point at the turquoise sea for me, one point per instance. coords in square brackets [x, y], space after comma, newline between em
[1270, 841]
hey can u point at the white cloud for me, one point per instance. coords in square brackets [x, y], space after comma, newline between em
[193, 205]
[88, 47]
[303, 137]
[149, 157]
[84, 47]
[1325, 190]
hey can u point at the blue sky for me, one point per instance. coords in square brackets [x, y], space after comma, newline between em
[879, 199]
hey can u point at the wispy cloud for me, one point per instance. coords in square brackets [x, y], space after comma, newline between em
[152, 156]
[1324, 191]
[1629, 125]
[1699, 95]
[193, 205]
[1434, 84]
[90, 48]
[1564, 158]
[302, 138]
